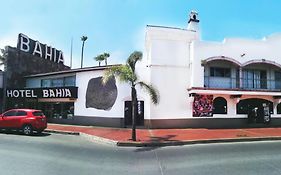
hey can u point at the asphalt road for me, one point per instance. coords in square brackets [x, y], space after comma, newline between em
[72, 155]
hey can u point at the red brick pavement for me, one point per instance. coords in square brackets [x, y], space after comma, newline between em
[166, 135]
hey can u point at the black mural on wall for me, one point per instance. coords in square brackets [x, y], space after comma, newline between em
[100, 96]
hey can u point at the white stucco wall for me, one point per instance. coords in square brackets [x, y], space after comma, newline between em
[117, 111]
[174, 61]
[167, 58]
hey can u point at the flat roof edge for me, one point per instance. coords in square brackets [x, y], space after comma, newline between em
[167, 27]
[71, 71]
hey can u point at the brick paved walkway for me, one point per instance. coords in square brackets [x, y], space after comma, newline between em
[168, 135]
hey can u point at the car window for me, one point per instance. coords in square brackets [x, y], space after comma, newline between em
[37, 113]
[10, 113]
[21, 113]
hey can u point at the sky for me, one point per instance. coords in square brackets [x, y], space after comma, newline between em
[118, 26]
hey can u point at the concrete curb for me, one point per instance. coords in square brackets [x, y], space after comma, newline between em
[61, 132]
[97, 139]
[191, 142]
[89, 137]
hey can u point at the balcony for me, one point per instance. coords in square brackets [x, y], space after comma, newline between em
[242, 83]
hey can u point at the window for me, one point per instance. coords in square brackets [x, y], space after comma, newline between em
[58, 82]
[46, 83]
[219, 106]
[10, 113]
[38, 113]
[254, 79]
[220, 72]
[21, 113]
[69, 81]
[277, 80]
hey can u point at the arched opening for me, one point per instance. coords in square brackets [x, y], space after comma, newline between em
[221, 72]
[219, 106]
[247, 105]
[257, 110]
[261, 74]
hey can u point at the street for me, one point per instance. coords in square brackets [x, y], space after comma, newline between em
[71, 155]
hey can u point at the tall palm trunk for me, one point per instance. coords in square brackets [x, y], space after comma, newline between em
[82, 54]
[134, 112]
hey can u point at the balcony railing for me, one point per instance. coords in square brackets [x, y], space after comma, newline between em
[241, 83]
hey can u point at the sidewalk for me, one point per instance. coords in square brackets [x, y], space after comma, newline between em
[166, 137]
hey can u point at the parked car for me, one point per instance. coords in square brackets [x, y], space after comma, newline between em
[25, 120]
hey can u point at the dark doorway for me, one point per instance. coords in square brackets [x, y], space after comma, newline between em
[256, 108]
[219, 106]
[128, 113]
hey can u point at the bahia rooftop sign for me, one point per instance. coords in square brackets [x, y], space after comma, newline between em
[33, 47]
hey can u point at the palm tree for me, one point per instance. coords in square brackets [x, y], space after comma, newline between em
[106, 55]
[102, 57]
[83, 39]
[126, 73]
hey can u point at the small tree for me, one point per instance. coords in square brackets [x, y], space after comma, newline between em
[126, 73]
[102, 57]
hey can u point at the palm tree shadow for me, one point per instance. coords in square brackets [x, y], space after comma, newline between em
[162, 139]
[157, 142]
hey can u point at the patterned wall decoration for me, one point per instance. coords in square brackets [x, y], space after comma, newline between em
[203, 106]
[101, 96]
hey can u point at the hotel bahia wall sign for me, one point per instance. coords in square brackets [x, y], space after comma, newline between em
[33, 47]
[60, 92]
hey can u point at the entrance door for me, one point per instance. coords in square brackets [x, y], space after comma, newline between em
[128, 113]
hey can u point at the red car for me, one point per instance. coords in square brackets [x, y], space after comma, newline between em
[26, 120]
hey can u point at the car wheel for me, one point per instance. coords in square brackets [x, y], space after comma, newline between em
[27, 130]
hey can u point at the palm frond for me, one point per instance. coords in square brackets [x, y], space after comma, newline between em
[99, 58]
[154, 95]
[84, 38]
[123, 73]
[106, 55]
[133, 59]
[102, 57]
